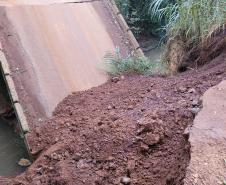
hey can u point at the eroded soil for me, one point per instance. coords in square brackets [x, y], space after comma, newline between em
[129, 131]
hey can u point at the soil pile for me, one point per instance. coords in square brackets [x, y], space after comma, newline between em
[130, 130]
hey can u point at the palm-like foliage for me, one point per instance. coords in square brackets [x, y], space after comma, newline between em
[139, 18]
[192, 19]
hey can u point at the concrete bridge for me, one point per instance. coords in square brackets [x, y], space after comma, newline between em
[52, 48]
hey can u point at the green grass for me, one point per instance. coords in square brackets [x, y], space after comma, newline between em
[116, 65]
[139, 18]
[192, 20]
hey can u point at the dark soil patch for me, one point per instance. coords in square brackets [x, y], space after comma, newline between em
[132, 130]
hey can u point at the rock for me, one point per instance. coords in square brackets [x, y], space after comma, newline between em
[143, 110]
[68, 124]
[122, 77]
[144, 147]
[131, 164]
[182, 103]
[24, 162]
[114, 117]
[55, 156]
[130, 107]
[100, 123]
[66, 154]
[140, 131]
[182, 89]
[151, 139]
[115, 79]
[109, 107]
[77, 156]
[110, 158]
[125, 180]
[192, 90]
[112, 166]
[101, 173]
[82, 164]
[195, 102]
[187, 133]
[195, 110]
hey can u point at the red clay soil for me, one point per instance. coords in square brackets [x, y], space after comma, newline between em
[207, 50]
[129, 131]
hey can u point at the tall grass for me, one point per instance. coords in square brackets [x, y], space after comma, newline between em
[139, 18]
[116, 65]
[193, 20]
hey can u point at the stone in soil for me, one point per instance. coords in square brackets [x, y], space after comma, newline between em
[24, 162]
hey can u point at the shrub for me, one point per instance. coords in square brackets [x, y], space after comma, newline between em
[190, 19]
[117, 65]
[139, 18]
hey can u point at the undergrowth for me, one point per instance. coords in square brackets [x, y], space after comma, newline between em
[116, 65]
[140, 19]
[181, 24]
[192, 20]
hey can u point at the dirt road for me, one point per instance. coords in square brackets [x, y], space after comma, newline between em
[56, 47]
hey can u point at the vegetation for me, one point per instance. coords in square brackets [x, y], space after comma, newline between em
[183, 24]
[191, 19]
[139, 17]
[117, 65]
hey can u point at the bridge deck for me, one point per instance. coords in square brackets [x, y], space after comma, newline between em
[55, 49]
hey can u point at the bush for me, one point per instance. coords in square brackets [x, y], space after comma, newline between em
[139, 18]
[192, 20]
[117, 65]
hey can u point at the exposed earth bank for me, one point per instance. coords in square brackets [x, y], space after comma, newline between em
[130, 130]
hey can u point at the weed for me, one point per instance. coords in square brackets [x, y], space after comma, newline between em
[190, 19]
[116, 65]
[139, 18]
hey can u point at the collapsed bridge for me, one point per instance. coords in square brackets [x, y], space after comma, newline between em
[52, 48]
[56, 47]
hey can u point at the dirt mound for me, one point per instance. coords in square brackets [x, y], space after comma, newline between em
[128, 132]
